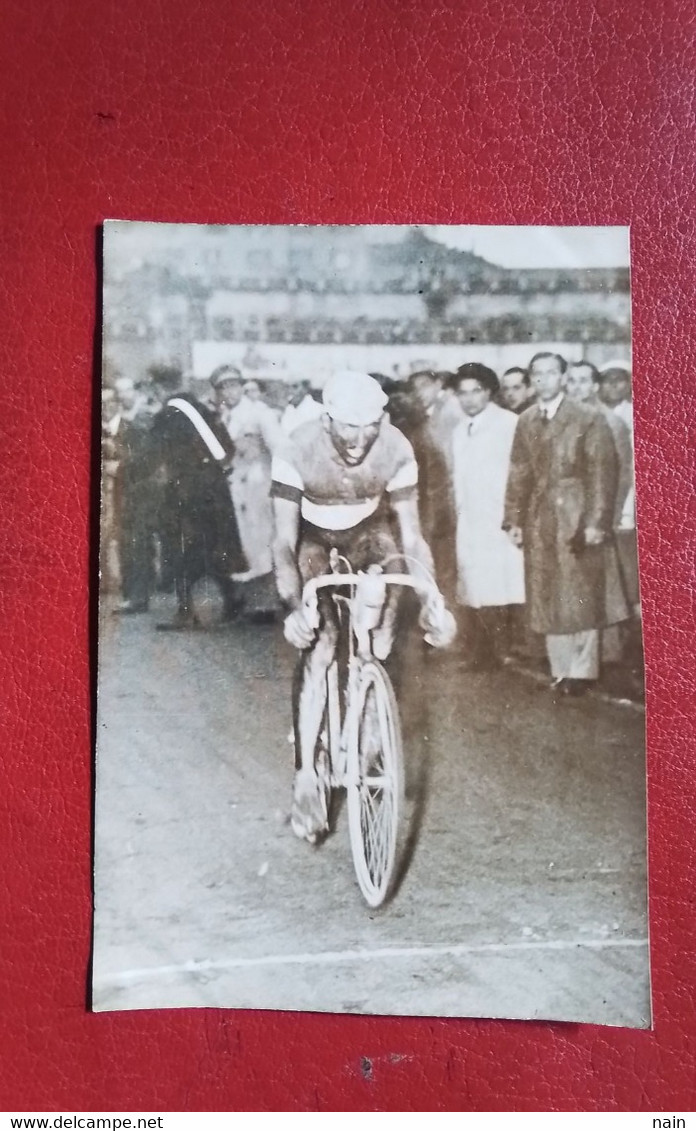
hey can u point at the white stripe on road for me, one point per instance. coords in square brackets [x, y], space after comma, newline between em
[330, 957]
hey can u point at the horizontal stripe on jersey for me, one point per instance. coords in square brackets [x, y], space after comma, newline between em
[338, 516]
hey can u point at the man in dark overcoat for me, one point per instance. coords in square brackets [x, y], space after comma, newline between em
[191, 450]
[559, 507]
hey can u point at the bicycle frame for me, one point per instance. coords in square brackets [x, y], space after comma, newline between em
[361, 749]
[342, 733]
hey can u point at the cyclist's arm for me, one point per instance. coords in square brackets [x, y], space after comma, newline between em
[439, 624]
[412, 540]
[286, 513]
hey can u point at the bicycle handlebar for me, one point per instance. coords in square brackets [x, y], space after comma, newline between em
[338, 580]
[310, 593]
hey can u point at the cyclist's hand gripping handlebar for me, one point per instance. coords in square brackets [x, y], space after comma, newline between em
[300, 628]
[436, 620]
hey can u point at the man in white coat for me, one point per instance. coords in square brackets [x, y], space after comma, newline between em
[490, 581]
[254, 429]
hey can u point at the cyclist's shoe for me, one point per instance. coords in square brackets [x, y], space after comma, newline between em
[309, 817]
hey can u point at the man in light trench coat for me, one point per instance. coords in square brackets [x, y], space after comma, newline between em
[559, 507]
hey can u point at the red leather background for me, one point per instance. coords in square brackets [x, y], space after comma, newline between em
[543, 111]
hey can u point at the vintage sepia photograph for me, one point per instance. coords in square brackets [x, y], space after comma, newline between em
[370, 732]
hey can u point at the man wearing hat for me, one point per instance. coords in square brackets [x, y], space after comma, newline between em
[347, 481]
[253, 428]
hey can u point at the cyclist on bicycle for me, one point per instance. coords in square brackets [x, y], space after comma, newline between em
[342, 482]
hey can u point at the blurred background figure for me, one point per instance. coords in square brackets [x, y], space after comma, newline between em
[108, 541]
[490, 570]
[428, 419]
[252, 390]
[439, 407]
[227, 384]
[615, 390]
[406, 415]
[300, 408]
[135, 517]
[515, 392]
[582, 382]
[254, 430]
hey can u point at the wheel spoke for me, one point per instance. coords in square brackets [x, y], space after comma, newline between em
[371, 826]
[378, 809]
[375, 842]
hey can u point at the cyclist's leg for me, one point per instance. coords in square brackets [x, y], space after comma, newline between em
[311, 688]
[376, 544]
[309, 816]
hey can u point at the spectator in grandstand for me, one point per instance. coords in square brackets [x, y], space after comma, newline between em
[300, 408]
[490, 569]
[515, 391]
[559, 507]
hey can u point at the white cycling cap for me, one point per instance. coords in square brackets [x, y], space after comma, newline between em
[351, 397]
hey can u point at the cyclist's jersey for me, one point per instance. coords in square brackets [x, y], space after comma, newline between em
[334, 495]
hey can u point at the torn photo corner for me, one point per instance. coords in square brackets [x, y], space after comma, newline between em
[370, 692]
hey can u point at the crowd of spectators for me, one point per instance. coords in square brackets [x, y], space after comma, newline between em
[526, 497]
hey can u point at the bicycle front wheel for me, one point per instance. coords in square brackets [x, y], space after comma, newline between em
[375, 785]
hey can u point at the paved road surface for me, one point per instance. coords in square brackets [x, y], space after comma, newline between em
[525, 895]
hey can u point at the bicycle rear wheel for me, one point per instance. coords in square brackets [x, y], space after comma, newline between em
[375, 785]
